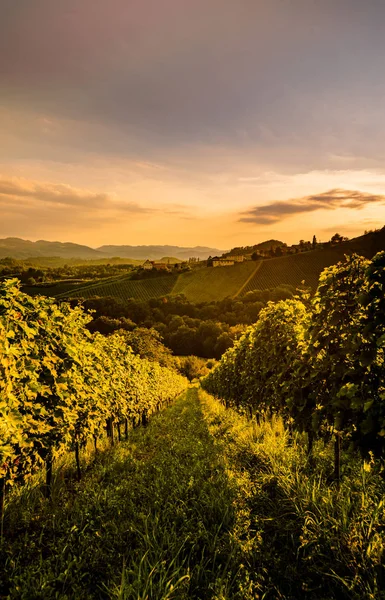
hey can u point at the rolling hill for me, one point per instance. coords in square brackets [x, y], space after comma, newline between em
[18, 248]
[124, 288]
[207, 284]
[157, 252]
[293, 269]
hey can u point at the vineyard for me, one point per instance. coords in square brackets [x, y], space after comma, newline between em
[215, 497]
[293, 270]
[213, 283]
[60, 385]
[124, 288]
[319, 364]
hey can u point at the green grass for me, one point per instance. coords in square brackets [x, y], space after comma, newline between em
[307, 538]
[213, 283]
[201, 504]
[151, 519]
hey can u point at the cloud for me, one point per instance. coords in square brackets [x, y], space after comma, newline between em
[37, 195]
[269, 214]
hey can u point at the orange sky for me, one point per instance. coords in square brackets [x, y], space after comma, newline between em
[210, 122]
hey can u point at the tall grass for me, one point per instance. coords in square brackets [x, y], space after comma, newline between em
[316, 541]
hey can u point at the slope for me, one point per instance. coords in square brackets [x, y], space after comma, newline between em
[307, 266]
[213, 283]
[124, 288]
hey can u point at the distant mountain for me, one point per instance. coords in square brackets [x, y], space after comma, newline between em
[21, 249]
[18, 248]
[157, 252]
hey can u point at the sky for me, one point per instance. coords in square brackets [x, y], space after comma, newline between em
[191, 122]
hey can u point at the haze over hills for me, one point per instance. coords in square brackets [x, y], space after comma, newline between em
[21, 249]
[157, 252]
[207, 284]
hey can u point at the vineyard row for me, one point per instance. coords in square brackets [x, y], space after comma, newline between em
[319, 363]
[61, 385]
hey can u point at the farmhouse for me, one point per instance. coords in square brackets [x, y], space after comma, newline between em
[236, 258]
[159, 266]
[148, 266]
[222, 262]
[151, 265]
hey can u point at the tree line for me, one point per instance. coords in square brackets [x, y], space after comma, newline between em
[206, 329]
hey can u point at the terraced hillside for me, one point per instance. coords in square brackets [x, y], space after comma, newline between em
[124, 288]
[213, 283]
[207, 284]
[307, 266]
[292, 270]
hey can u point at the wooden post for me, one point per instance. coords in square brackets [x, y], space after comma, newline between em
[48, 475]
[2, 503]
[337, 458]
[310, 441]
[77, 456]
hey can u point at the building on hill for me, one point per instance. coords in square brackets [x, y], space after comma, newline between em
[153, 265]
[160, 266]
[222, 262]
[236, 257]
[148, 265]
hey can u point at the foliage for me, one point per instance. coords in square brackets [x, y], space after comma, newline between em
[192, 367]
[201, 504]
[59, 384]
[321, 367]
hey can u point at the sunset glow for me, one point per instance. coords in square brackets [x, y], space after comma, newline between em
[214, 122]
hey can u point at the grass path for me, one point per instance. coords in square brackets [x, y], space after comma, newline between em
[198, 505]
[238, 293]
[150, 520]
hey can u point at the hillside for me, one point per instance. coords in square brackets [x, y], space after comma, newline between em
[208, 284]
[261, 247]
[157, 252]
[307, 266]
[19, 248]
[124, 288]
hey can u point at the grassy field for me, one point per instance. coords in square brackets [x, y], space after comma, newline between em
[201, 504]
[213, 283]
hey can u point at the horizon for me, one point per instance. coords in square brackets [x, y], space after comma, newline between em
[195, 247]
[215, 123]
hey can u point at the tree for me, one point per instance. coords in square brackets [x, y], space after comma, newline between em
[336, 238]
[192, 367]
[147, 343]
